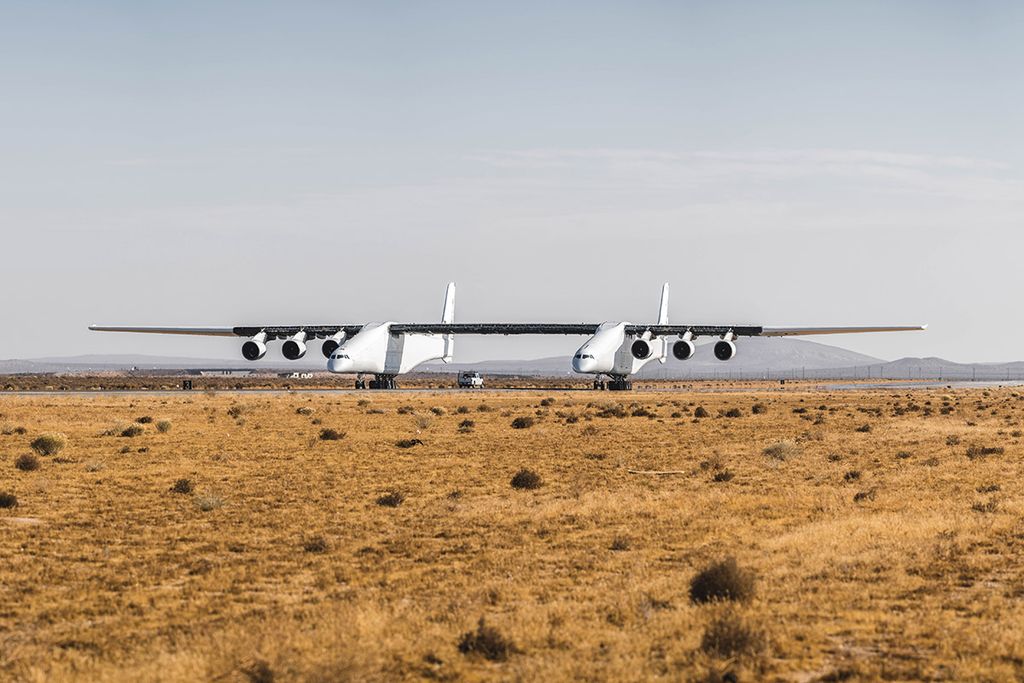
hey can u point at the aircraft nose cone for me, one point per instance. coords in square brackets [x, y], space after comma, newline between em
[583, 364]
[339, 365]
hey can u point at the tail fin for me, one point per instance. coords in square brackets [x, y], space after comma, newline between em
[448, 316]
[663, 309]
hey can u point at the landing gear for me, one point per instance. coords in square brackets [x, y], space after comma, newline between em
[620, 384]
[615, 383]
[378, 382]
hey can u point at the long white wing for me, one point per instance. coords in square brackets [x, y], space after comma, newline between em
[797, 331]
[201, 331]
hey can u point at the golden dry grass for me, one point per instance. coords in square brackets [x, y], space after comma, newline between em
[881, 554]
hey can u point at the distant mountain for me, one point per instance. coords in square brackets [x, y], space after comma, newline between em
[771, 358]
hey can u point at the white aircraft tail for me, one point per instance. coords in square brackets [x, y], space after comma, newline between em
[448, 316]
[663, 309]
[663, 320]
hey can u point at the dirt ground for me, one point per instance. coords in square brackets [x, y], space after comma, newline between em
[227, 536]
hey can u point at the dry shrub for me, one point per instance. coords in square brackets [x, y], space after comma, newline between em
[484, 408]
[163, 426]
[723, 476]
[438, 410]
[49, 444]
[619, 544]
[862, 496]
[852, 475]
[759, 409]
[328, 434]
[952, 440]
[700, 412]
[405, 410]
[316, 544]
[644, 412]
[408, 443]
[304, 410]
[422, 422]
[258, 672]
[131, 431]
[782, 450]
[144, 420]
[975, 452]
[613, 410]
[487, 642]
[523, 422]
[8, 500]
[987, 507]
[729, 635]
[237, 411]
[8, 430]
[208, 503]
[526, 479]
[466, 425]
[26, 462]
[722, 581]
[391, 500]
[733, 412]
[462, 410]
[182, 486]
[863, 429]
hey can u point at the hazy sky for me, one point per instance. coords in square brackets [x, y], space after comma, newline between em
[254, 162]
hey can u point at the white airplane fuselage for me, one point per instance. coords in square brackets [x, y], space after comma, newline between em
[375, 350]
[611, 352]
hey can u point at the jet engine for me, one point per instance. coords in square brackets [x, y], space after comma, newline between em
[254, 349]
[331, 344]
[684, 349]
[295, 348]
[641, 349]
[725, 350]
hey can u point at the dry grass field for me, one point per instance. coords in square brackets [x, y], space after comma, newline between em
[876, 535]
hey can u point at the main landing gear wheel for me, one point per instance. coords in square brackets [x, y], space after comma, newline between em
[383, 382]
[598, 385]
[620, 384]
[360, 384]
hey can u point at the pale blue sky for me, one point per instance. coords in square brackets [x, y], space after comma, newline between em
[779, 163]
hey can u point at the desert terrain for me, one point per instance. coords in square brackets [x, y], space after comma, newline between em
[743, 533]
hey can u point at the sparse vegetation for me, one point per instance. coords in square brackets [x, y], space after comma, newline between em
[526, 479]
[487, 642]
[590, 574]
[975, 452]
[315, 544]
[782, 450]
[408, 443]
[759, 409]
[723, 580]
[131, 431]
[182, 486]
[8, 500]
[523, 422]
[27, 462]
[730, 635]
[328, 434]
[391, 500]
[49, 444]
[700, 411]
[163, 426]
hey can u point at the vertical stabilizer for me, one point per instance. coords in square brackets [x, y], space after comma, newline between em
[663, 309]
[448, 316]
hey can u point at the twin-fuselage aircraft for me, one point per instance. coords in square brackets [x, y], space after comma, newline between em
[614, 350]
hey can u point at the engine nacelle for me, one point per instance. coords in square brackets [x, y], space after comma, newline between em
[641, 349]
[254, 349]
[329, 347]
[725, 350]
[684, 349]
[293, 349]
[331, 344]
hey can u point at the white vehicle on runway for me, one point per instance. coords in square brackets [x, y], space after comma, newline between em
[616, 350]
